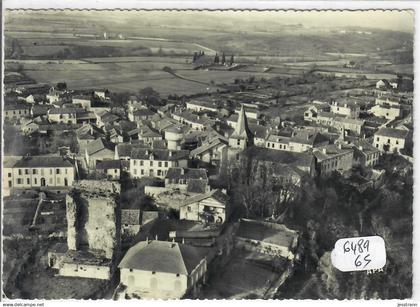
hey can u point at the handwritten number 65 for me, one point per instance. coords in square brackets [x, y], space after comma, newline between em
[358, 262]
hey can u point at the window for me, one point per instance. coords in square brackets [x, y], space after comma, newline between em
[115, 171]
[377, 139]
[35, 181]
[28, 181]
[131, 270]
[396, 142]
[239, 142]
[272, 145]
[389, 141]
[57, 171]
[10, 183]
[20, 171]
[151, 163]
[135, 171]
[9, 174]
[134, 162]
[26, 171]
[377, 145]
[65, 171]
[166, 163]
[19, 181]
[141, 163]
[34, 171]
[51, 171]
[142, 172]
[189, 208]
[159, 164]
[159, 173]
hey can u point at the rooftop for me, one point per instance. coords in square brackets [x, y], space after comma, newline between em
[394, 133]
[267, 232]
[332, 150]
[186, 173]
[43, 161]
[66, 110]
[162, 256]
[98, 145]
[279, 156]
[159, 154]
[108, 164]
[216, 194]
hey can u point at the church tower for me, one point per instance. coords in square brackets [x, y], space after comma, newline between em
[242, 137]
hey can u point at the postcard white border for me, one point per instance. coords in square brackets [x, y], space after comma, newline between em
[259, 5]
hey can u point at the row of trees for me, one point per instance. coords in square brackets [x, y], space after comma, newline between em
[223, 61]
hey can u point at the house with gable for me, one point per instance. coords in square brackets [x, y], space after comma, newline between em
[210, 207]
[161, 269]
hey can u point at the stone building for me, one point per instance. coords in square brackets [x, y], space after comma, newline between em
[93, 230]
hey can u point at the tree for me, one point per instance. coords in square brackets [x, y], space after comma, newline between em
[61, 86]
[231, 60]
[149, 95]
[223, 59]
[216, 59]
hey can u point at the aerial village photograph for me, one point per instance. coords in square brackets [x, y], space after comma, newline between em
[152, 154]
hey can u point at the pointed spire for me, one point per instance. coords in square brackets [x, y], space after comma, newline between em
[242, 130]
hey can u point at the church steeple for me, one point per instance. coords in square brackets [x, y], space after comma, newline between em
[242, 130]
[241, 137]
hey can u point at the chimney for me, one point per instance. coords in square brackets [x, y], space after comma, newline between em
[147, 152]
[183, 241]
[324, 150]
[339, 146]
[156, 237]
[170, 153]
[182, 171]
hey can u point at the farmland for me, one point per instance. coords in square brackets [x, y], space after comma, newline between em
[88, 53]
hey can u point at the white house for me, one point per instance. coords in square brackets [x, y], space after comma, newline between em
[39, 171]
[202, 105]
[155, 162]
[390, 140]
[83, 101]
[345, 108]
[386, 111]
[208, 207]
[162, 270]
[64, 115]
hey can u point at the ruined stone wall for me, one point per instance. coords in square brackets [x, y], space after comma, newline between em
[94, 217]
[100, 229]
[71, 215]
